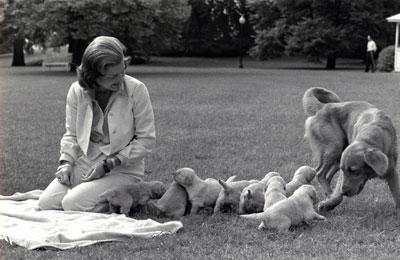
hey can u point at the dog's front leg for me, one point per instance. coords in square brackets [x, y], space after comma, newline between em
[262, 225]
[217, 207]
[311, 215]
[392, 179]
[324, 173]
[332, 172]
[336, 197]
[126, 206]
[195, 207]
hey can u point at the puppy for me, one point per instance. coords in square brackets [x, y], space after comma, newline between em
[303, 175]
[252, 197]
[290, 211]
[229, 197]
[352, 136]
[132, 195]
[201, 193]
[172, 204]
[275, 191]
[268, 176]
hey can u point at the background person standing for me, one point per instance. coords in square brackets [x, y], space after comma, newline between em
[371, 49]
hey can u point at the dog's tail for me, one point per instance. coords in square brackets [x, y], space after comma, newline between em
[315, 98]
[256, 216]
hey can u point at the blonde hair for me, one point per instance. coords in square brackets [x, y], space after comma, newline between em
[102, 52]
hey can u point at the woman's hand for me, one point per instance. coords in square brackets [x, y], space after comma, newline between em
[63, 174]
[96, 172]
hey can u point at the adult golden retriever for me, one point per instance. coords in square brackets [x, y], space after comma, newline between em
[354, 138]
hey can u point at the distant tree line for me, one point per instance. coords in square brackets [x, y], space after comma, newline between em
[321, 28]
[317, 29]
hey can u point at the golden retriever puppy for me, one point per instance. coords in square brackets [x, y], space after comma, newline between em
[268, 176]
[172, 204]
[252, 197]
[229, 197]
[201, 193]
[291, 211]
[123, 199]
[275, 191]
[303, 175]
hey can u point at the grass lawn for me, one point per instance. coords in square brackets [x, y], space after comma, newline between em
[220, 121]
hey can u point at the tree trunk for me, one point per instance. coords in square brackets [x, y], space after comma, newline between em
[18, 52]
[331, 62]
[78, 48]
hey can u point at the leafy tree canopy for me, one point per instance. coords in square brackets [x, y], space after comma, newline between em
[324, 28]
[141, 25]
[213, 28]
[144, 26]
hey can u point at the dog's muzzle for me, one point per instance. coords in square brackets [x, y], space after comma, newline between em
[350, 191]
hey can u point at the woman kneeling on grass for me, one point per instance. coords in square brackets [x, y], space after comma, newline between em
[109, 129]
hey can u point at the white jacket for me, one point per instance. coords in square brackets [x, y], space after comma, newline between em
[130, 123]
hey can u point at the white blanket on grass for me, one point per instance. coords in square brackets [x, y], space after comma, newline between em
[23, 224]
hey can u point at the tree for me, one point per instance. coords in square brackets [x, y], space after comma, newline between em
[325, 28]
[143, 26]
[20, 18]
[169, 24]
[270, 30]
[213, 28]
[4, 44]
[138, 24]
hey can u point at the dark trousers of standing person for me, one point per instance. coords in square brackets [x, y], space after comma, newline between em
[369, 61]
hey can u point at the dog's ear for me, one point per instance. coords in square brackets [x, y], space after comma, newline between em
[311, 175]
[108, 194]
[313, 193]
[224, 185]
[143, 200]
[282, 181]
[158, 189]
[175, 172]
[231, 179]
[377, 160]
[248, 195]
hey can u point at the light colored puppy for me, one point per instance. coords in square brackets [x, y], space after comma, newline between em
[291, 211]
[129, 196]
[268, 176]
[303, 175]
[201, 193]
[172, 204]
[252, 197]
[229, 196]
[275, 192]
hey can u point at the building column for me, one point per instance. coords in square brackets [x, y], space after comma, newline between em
[397, 50]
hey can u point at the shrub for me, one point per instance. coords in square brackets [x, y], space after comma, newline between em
[386, 59]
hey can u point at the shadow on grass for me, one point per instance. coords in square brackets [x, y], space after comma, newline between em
[169, 66]
[40, 73]
[320, 69]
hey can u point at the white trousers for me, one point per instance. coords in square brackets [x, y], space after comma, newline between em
[83, 196]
